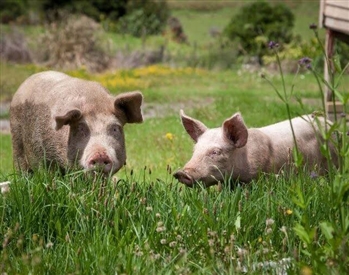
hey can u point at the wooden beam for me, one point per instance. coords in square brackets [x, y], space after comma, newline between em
[329, 45]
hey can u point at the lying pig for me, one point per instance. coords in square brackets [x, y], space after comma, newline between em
[70, 123]
[235, 152]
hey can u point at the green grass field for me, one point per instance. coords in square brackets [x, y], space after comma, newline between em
[143, 221]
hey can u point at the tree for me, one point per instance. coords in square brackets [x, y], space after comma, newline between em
[257, 23]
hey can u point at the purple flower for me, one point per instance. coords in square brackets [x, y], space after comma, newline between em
[273, 45]
[313, 175]
[305, 61]
[313, 26]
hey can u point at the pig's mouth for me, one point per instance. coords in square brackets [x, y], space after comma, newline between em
[190, 181]
[184, 178]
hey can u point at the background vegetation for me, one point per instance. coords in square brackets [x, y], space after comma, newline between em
[143, 221]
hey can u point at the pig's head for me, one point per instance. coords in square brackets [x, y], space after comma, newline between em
[215, 151]
[96, 139]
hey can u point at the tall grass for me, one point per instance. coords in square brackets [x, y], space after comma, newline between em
[325, 242]
[54, 224]
[145, 222]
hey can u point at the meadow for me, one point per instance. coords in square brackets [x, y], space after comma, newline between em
[142, 221]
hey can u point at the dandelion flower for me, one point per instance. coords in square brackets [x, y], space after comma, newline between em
[173, 244]
[169, 136]
[269, 222]
[289, 211]
[306, 270]
[163, 241]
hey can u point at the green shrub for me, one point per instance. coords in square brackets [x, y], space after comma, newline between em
[10, 10]
[257, 23]
[96, 9]
[299, 48]
[144, 18]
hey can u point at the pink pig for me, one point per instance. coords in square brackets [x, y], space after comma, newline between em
[69, 122]
[233, 151]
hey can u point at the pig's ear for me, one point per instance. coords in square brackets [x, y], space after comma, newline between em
[235, 130]
[193, 127]
[68, 118]
[130, 105]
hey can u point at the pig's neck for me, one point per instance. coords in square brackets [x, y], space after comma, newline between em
[255, 157]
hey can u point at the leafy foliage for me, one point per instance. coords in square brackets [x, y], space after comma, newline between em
[144, 18]
[96, 9]
[257, 23]
[325, 242]
[10, 10]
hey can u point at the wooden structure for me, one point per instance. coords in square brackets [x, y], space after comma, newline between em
[334, 16]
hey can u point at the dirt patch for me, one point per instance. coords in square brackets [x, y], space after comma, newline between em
[4, 126]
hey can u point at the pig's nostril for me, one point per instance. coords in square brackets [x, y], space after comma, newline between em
[100, 161]
[183, 177]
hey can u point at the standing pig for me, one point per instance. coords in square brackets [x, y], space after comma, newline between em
[69, 122]
[242, 154]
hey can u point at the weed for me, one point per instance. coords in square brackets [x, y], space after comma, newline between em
[324, 242]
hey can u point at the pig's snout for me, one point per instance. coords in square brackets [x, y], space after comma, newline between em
[100, 161]
[183, 177]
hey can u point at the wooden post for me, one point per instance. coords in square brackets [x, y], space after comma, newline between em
[329, 56]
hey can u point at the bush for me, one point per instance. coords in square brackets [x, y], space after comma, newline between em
[298, 48]
[257, 23]
[96, 9]
[10, 10]
[72, 43]
[14, 47]
[144, 18]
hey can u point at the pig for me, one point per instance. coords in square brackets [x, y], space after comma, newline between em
[66, 122]
[240, 154]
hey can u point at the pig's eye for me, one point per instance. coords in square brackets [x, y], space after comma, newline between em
[215, 152]
[115, 129]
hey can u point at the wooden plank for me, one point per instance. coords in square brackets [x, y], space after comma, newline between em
[339, 107]
[341, 4]
[331, 115]
[337, 13]
[338, 25]
[321, 13]
[329, 45]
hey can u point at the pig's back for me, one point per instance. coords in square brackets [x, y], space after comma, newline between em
[37, 87]
[303, 127]
[57, 89]
[307, 136]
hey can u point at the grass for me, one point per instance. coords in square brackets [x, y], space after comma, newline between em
[198, 23]
[56, 225]
[146, 222]
[5, 156]
[143, 221]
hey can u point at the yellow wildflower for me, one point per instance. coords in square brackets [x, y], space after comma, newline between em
[306, 270]
[289, 211]
[169, 136]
